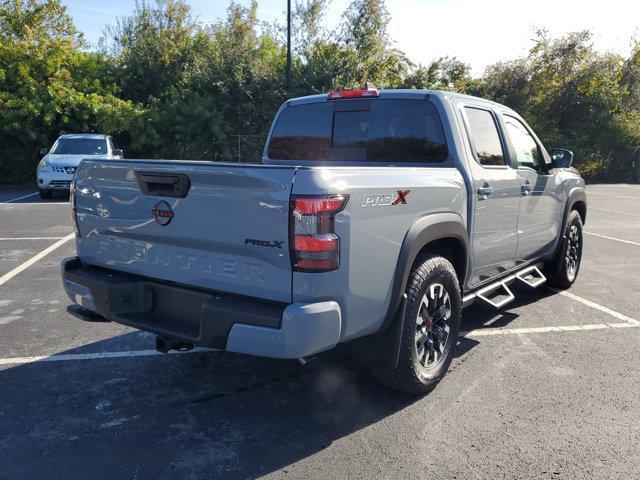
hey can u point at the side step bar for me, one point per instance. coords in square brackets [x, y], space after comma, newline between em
[531, 276]
[494, 293]
[498, 294]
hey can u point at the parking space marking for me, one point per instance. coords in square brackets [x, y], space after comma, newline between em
[623, 185]
[20, 198]
[35, 204]
[483, 332]
[30, 238]
[95, 356]
[610, 196]
[613, 238]
[8, 276]
[615, 211]
[597, 306]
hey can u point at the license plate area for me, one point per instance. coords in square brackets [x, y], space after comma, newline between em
[166, 308]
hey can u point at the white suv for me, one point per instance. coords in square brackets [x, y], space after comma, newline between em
[55, 170]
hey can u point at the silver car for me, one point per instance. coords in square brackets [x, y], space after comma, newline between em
[55, 170]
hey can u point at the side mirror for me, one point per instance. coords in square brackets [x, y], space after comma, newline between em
[561, 158]
[117, 152]
[44, 151]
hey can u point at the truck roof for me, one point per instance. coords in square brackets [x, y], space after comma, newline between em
[93, 136]
[399, 93]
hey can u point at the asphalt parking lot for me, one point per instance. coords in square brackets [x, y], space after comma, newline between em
[547, 388]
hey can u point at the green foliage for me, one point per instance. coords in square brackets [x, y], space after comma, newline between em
[49, 85]
[166, 86]
[576, 98]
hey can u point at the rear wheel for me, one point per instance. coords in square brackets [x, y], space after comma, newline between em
[430, 328]
[563, 269]
[45, 193]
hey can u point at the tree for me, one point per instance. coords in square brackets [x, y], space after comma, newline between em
[49, 85]
[166, 85]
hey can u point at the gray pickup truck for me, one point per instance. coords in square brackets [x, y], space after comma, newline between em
[373, 219]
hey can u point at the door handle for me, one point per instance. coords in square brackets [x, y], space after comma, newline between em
[163, 185]
[485, 191]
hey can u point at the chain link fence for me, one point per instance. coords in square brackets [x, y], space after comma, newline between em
[249, 148]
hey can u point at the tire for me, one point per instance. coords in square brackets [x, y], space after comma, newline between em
[433, 305]
[44, 193]
[562, 270]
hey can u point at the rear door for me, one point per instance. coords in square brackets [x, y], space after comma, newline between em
[541, 191]
[496, 196]
[220, 227]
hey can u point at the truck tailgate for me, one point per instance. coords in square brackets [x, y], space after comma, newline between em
[221, 227]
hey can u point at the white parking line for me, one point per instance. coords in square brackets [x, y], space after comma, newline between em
[8, 276]
[20, 198]
[483, 332]
[624, 185]
[35, 204]
[94, 356]
[628, 322]
[615, 211]
[31, 238]
[613, 238]
[610, 196]
[596, 306]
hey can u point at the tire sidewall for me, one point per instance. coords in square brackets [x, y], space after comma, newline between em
[445, 276]
[574, 219]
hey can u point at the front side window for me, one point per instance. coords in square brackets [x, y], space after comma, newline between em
[526, 150]
[485, 137]
[80, 146]
[378, 130]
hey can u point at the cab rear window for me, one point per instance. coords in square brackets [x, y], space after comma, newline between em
[376, 130]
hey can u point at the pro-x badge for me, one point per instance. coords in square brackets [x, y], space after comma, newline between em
[385, 199]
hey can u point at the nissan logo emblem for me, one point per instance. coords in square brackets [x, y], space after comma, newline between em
[163, 213]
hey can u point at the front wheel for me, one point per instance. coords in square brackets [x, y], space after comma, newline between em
[563, 269]
[430, 328]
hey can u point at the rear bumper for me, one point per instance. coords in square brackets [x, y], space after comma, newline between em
[208, 319]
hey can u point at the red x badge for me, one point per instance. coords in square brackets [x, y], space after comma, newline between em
[402, 197]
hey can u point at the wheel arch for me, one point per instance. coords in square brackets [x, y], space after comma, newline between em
[581, 207]
[442, 233]
[576, 200]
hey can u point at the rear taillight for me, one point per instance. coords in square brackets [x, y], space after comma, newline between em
[72, 201]
[315, 247]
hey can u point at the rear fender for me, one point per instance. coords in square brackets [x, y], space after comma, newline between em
[381, 350]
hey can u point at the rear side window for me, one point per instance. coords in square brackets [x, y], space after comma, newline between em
[378, 130]
[484, 136]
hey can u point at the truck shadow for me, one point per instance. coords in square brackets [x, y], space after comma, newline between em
[480, 316]
[196, 415]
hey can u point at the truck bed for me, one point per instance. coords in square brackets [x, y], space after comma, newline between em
[200, 224]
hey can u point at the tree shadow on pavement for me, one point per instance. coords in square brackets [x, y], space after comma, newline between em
[197, 415]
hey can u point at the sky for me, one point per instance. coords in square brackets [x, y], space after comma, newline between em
[478, 32]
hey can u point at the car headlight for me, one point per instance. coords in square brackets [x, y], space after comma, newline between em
[42, 166]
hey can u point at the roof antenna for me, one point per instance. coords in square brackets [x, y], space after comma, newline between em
[370, 86]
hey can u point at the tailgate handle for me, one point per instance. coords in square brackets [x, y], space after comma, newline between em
[163, 184]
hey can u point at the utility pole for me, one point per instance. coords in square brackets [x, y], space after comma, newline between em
[288, 48]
